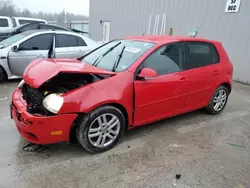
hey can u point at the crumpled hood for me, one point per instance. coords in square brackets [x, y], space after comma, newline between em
[41, 70]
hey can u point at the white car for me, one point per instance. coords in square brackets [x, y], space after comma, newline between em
[18, 51]
[7, 23]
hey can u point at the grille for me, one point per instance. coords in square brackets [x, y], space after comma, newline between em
[31, 95]
[34, 99]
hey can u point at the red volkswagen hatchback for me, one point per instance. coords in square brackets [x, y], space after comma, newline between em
[122, 84]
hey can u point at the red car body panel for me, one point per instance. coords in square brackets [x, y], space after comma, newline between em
[144, 101]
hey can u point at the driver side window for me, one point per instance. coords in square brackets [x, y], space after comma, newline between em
[166, 59]
[40, 42]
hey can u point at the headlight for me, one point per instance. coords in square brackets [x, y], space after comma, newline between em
[53, 103]
[21, 84]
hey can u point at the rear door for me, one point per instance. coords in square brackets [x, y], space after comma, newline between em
[201, 72]
[69, 46]
[29, 50]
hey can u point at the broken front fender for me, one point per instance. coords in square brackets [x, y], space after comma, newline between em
[117, 89]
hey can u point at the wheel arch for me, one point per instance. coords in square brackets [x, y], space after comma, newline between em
[72, 135]
[4, 72]
[228, 86]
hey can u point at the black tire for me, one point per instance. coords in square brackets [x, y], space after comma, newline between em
[3, 76]
[210, 108]
[87, 120]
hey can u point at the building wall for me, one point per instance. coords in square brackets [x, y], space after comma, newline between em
[131, 17]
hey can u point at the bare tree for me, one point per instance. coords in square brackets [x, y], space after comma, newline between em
[7, 8]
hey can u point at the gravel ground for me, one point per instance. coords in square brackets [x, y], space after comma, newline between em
[208, 151]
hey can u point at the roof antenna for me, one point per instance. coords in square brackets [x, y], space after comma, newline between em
[199, 27]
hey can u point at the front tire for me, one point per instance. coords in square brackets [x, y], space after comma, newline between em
[101, 129]
[218, 101]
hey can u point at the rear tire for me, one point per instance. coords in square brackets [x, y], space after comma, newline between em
[101, 129]
[3, 76]
[218, 100]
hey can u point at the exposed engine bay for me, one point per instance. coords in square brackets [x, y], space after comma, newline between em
[61, 83]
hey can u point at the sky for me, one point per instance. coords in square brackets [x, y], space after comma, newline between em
[72, 6]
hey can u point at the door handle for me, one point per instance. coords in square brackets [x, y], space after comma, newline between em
[183, 79]
[215, 72]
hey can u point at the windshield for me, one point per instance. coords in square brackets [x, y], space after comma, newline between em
[16, 28]
[11, 40]
[123, 53]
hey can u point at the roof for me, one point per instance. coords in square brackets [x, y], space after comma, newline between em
[30, 32]
[49, 31]
[44, 31]
[160, 39]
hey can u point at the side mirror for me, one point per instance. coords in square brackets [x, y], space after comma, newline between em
[14, 48]
[147, 73]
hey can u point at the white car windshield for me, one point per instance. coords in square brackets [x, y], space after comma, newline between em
[11, 40]
[117, 55]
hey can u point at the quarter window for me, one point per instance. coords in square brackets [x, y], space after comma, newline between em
[201, 54]
[40, 42]
[166, 59]
[81, 42]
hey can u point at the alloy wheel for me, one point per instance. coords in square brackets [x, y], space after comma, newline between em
[104, 130]
[220, 100]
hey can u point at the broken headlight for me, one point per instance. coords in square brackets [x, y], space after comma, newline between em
[20, 85]
[53, 102]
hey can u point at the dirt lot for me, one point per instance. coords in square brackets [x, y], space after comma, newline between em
[208, 151]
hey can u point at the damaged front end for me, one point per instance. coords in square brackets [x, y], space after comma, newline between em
[38, 99]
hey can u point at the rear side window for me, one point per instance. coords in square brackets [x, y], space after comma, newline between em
[63, 40]
[4, 23]
[200, 54]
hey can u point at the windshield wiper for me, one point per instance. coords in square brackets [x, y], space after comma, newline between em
[101, 56]
[118, 59]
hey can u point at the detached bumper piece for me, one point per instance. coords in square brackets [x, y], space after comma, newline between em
[40, 129]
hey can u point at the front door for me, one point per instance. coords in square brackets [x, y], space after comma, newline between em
[164, 95]
[29, 50]
[106, 31]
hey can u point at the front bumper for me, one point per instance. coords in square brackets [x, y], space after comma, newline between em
[40, 129]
